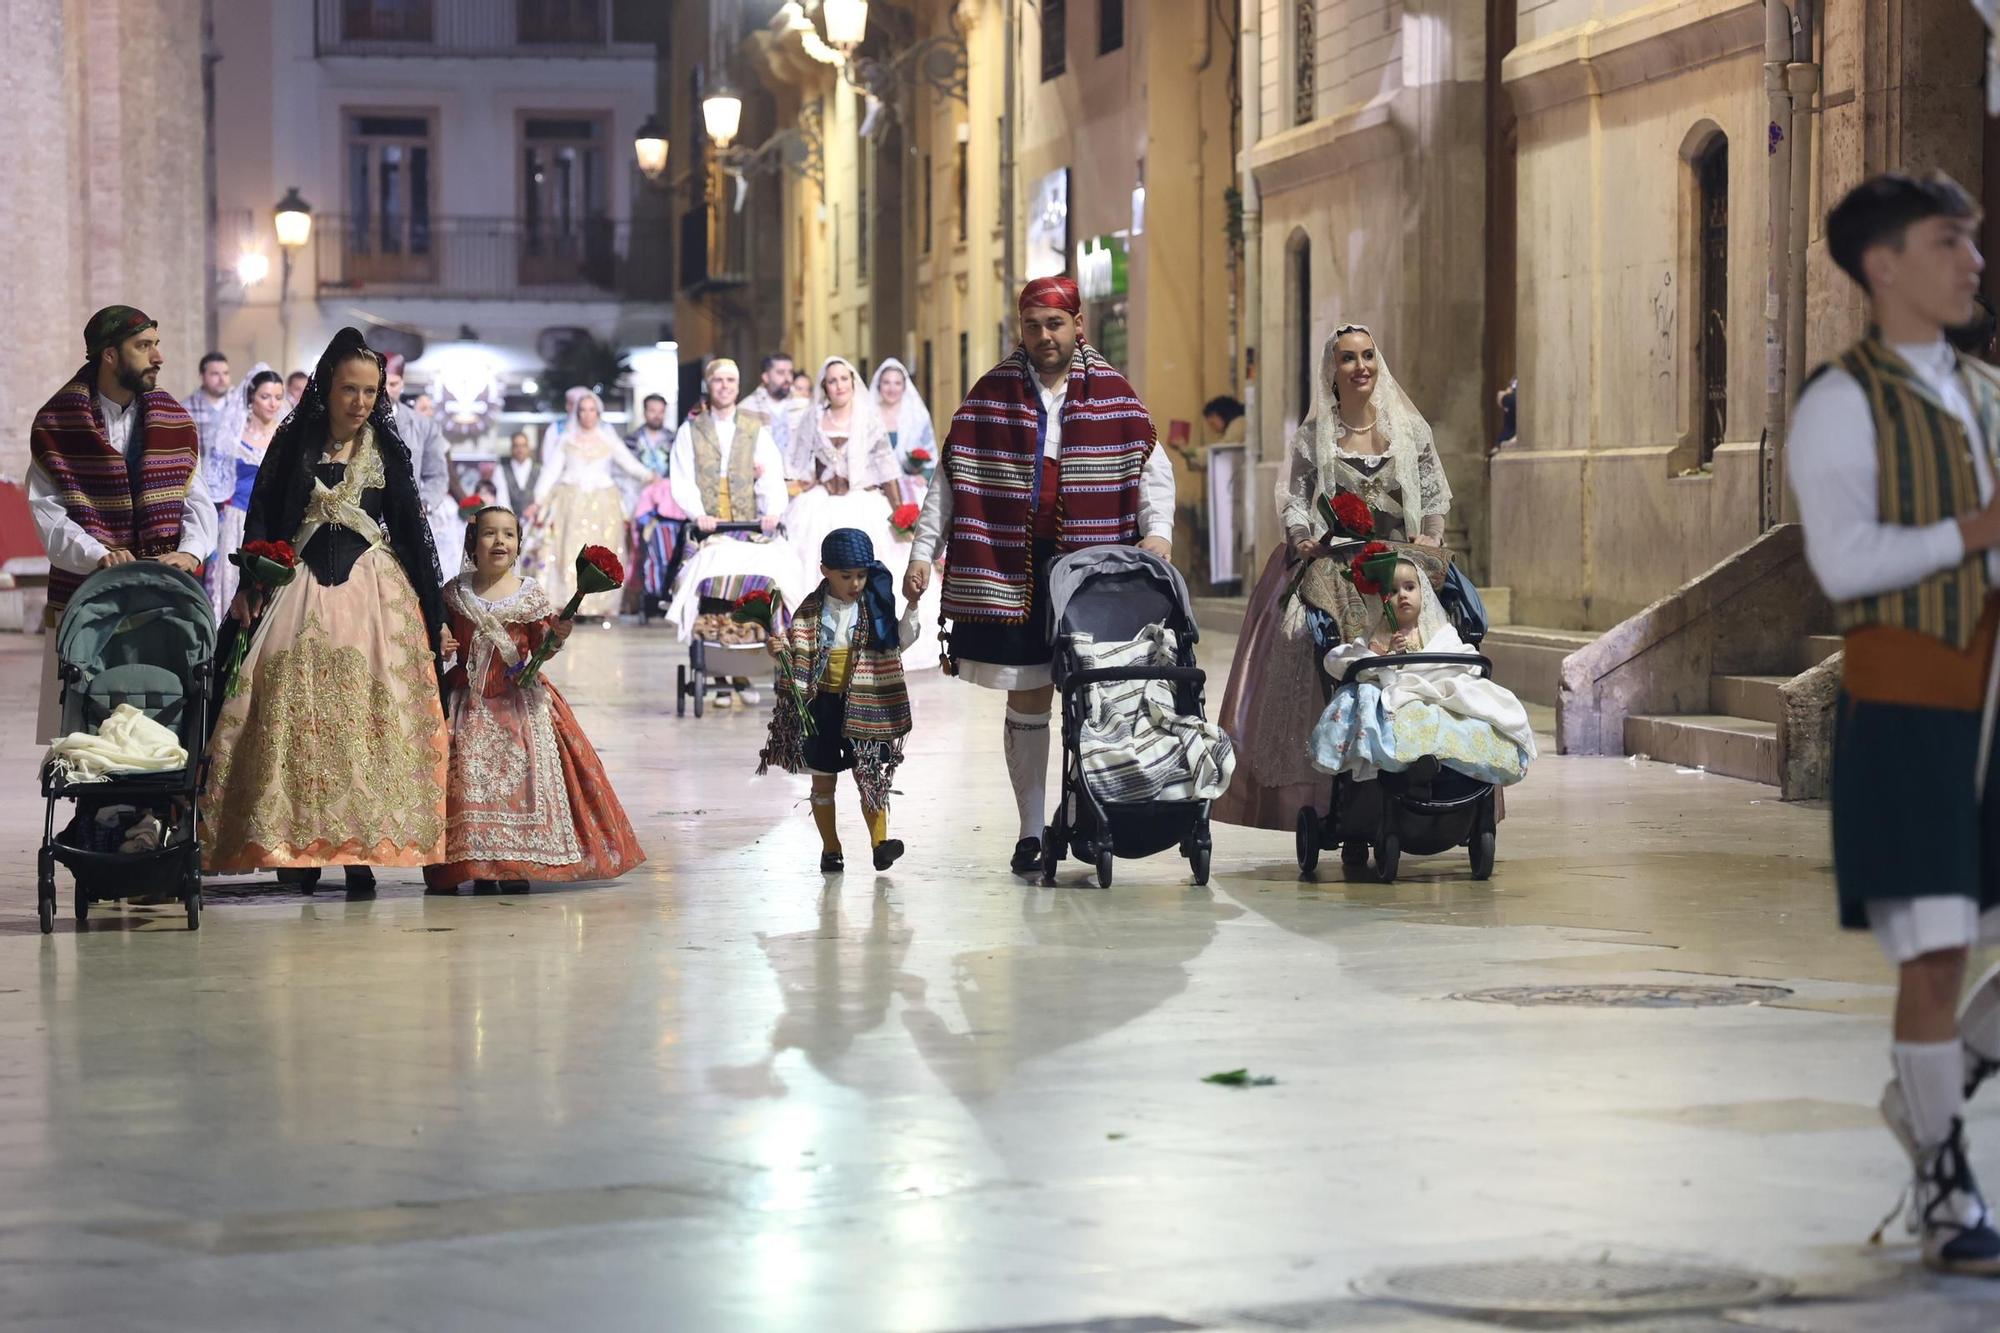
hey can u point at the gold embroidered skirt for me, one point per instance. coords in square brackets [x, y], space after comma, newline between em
[578, 518]
[334, 752]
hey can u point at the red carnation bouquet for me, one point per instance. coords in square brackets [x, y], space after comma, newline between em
[597, 570]
[265, 566]
[1347, 516]
[917, 463]
[469, 507]
[764, 609]
[1372, 571]
[904, 520]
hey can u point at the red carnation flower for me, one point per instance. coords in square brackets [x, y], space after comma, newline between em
[1353, 515]
[470, 506]
[607, 562]
[921, 455]
[277, 552]
[904, 519]
[1357, 569]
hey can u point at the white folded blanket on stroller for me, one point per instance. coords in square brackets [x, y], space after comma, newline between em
[1134, 746]
[127, 742]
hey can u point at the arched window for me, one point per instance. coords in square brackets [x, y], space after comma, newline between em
[1298, 317]
[1711, 288]
[1305, 60]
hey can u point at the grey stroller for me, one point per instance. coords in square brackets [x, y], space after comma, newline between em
[140, 634]
[1120, 595]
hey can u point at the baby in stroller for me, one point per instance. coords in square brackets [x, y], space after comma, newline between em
[1392, 717]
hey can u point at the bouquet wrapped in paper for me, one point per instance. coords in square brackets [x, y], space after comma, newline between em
[764, 609]
[598, 569]
[266, 566]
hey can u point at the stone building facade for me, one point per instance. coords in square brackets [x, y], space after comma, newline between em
[103, 160]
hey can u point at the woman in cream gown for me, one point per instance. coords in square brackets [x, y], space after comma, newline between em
[578, 502]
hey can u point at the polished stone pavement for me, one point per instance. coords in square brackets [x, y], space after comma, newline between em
[724, 1094]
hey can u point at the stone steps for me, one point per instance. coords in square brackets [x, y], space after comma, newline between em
[1528, 660]
[1736, 747]
[1817, 649]
[1753, 697]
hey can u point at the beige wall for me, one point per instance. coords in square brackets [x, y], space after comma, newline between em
[102, 161]
[1592, 519]
[1385, 190]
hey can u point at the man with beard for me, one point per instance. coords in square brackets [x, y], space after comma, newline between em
[1008, 499]
[776, 401]
[116, 475]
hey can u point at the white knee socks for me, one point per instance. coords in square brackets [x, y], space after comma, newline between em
[1027, 748]
[1933, 1077]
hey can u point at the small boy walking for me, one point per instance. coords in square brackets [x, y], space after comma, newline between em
[850, 709]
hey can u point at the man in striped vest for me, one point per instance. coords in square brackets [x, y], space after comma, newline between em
[1892, 454]
[1051, 452]
[116, 474]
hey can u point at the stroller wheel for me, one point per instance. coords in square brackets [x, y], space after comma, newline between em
[680, 691]
[82, 905]
[1104, 868]
[1199, 861]
[1387, 856]
[700, 694]
[1482, 854]
[45, 890]
[1308, 842]
[193, 901]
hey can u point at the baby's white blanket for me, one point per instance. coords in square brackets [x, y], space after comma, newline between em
[1134, 746]
[127, 742]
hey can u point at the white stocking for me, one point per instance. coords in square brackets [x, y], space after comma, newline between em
[1027, 749]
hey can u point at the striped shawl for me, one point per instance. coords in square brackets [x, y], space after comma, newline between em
[878, 702]
[992, 461]
[137, 512]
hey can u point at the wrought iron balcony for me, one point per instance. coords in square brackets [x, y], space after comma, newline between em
[491, 258]
[514, 28]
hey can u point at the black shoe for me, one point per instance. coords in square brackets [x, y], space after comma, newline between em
[513, 886]
[360, 884]
[832, 863]
[485, 888]
[886, 852]
[1952, 1219]
[1027, 857]
[307, 879]
[449, 892]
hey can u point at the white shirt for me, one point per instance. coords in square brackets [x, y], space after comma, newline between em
[75, 551]
[1834, 473]
[1156, 486]
[838, 619]
[770, 465]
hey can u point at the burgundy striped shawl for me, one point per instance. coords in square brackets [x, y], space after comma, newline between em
[992, 459]
[69, 443]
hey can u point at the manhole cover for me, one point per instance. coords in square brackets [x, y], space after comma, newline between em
[1572, 1286]
[1627, 997]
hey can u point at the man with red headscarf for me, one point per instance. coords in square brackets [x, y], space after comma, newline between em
[1051, 452]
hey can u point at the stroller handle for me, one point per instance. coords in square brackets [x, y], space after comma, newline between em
[730, 527]
[1105, 675]
[1483, 664]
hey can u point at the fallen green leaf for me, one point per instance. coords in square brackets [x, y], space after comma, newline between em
[1240, 1078]
[1114, 1136]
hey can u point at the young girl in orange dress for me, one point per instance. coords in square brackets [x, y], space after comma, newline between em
[527, 799]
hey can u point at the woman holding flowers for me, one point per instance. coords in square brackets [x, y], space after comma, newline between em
[906, 417]
[578, 502]
[1363, 465]
[527, 798]
[331, 750]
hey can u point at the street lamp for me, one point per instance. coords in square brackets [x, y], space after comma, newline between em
[722, 115]
[846, 21]
[294, 222]
[649, 145]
